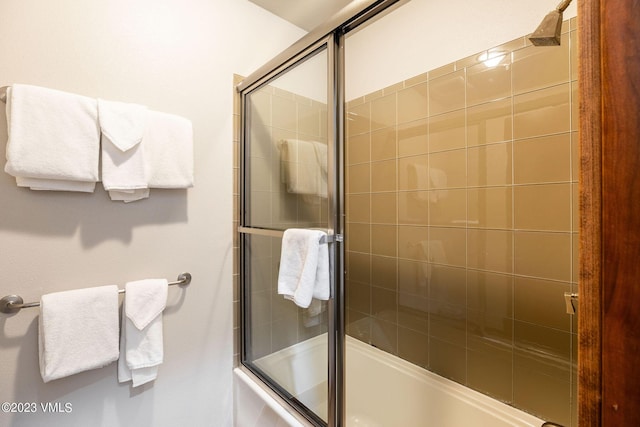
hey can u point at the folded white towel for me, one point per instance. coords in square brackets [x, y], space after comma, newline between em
[78, 331]
[141, 342]
[168, 146]
[304, 266]
[123, 123]
[53, 139]
[304, 164]
[123, 164]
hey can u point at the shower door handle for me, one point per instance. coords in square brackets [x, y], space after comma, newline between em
[569, 299]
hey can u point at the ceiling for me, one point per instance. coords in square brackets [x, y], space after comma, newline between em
[306, 14]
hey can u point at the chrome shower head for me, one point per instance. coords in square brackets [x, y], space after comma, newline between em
[548, 32]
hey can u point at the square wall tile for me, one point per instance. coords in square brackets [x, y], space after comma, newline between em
[412, 103]
[309, 120]
[489, 80]
[489, 165]
[384, 240]
[358, 178]
[359, 267]
[490, 250]
[448, 360]
[384, 272]
[413, 138]
[574, 54]
[543, 112]
[448, 208]
[448, 286]
[490, 207]
[413, 277]
[413, 207]
[545, 207]
[284, 113]
[541, 302]
[358, 119]
[448, 169]
[543, 255]
[358, 209]
[359, 296]
[384, 335]
[358, 237]
[383, 112]
[543, 159]
[447, 93]
[447, 131]
[413, 346]
[489, 292]
[490, 122]
[448, 323]
[536, 68]
[383, 175]
[447, 246]
[384, 305]
[489, 372]
[413, 312]
[383, 144]
[413, 243]
[384, 208]
[358, 150]
[413, 173]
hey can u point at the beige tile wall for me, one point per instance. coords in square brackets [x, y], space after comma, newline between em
[275, 115]
[462, 222]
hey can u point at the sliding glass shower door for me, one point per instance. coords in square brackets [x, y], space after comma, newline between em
[287, 182]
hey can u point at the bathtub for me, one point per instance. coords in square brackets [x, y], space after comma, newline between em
[383, 390]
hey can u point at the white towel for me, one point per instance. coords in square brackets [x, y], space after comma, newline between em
[304, 266]
[168, 147]
[78, 331]
[53, 139]
[304, 164]
[141, 342]
[123, 164]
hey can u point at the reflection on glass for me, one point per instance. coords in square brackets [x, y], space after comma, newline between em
[286, 173]
[285, 187]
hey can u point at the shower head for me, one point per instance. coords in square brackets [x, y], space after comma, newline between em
[548, 32]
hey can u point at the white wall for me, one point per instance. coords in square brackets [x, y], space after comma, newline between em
[176, 56]
[425, 34]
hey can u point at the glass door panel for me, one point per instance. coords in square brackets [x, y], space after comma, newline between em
[285, 186]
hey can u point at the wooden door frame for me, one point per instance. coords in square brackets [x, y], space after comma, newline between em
[609, 322]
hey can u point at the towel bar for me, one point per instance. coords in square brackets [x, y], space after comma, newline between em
[329, 238]
[3, 94]
[14, 303]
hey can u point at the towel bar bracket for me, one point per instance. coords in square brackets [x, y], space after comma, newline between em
[11, 304]
[14, 303]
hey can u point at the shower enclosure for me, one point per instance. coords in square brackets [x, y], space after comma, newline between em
[448, 190]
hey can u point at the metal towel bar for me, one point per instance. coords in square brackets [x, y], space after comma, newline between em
[14, 303]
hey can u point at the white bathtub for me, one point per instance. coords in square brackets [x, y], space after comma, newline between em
[383, 390]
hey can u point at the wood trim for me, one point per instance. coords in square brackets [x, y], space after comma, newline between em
[590, 291]
[620, 56]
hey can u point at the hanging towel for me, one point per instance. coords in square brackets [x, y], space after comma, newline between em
[304, 266]
[141, 343]
[53, 139]
[78, 331]
[123, 165]
[304, 166]
[168, 150]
